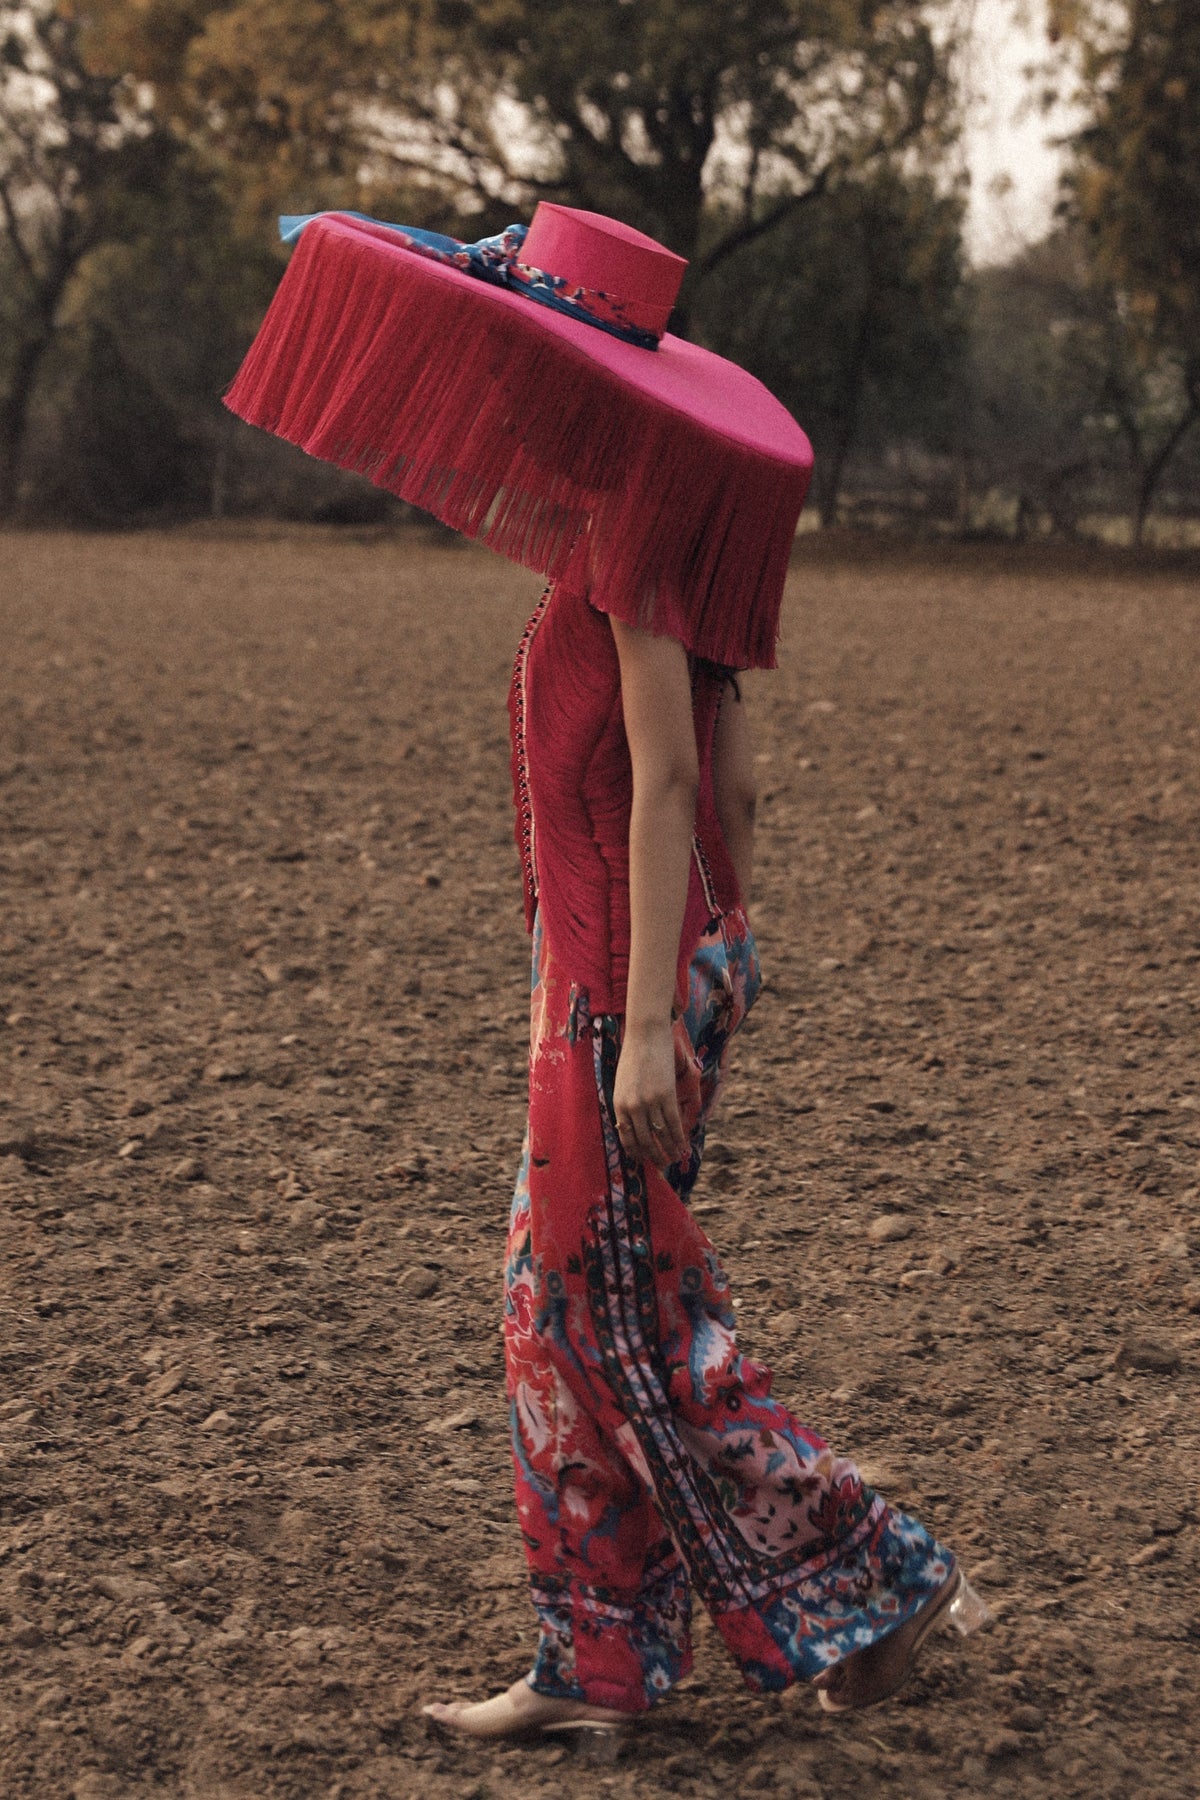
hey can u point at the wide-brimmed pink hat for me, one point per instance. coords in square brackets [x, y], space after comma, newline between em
[525, 391]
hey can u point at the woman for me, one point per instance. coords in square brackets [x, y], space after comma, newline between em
[660, 485]
[649, 1456]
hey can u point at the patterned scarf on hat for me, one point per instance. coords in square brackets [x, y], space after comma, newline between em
[494, 259]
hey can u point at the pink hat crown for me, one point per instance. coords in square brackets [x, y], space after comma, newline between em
[588, 250]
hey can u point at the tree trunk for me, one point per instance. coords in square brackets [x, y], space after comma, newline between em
[1152, 471]
[682, 234]
[218, 493]
[14, 418]
[853, 376]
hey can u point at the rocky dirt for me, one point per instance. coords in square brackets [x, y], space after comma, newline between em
[263, 990]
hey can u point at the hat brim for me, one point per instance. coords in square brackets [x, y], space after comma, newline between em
[670, 480]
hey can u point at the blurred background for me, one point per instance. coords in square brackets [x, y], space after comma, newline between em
[960, 239]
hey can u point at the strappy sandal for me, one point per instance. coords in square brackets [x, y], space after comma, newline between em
[956, 1604]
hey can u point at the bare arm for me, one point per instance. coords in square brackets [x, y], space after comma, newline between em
[656, 697]
[733, 786]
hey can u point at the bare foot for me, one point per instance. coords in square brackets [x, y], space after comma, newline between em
[519, 1712]
[867, 1677]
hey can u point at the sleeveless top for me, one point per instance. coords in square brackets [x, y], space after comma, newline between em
[573, 792]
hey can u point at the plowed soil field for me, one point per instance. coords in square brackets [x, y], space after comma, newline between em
[262, 1016]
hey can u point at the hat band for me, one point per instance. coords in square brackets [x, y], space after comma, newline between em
[494, 259]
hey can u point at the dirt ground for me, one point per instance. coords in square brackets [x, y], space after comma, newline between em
[263, 983]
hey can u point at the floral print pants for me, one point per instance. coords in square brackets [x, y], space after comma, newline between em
[650, 1459]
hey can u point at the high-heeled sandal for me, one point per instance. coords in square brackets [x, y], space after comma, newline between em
[955, 1604]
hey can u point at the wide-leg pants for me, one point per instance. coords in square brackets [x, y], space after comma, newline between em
[650, 1459]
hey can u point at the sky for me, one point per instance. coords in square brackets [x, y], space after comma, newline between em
[1005, 135]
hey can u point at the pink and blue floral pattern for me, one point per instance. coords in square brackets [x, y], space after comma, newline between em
[651, 1459]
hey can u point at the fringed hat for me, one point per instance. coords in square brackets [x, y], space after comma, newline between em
[526, 392]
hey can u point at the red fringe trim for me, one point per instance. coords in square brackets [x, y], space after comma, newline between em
[509, 434]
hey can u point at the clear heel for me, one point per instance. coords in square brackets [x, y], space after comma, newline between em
[966, 1611]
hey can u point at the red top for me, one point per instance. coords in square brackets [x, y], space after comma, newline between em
[573, 789]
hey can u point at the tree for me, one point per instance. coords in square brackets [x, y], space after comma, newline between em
[126, 298]
[853, 314]
[644, 108]
[1033, 418]
[1134, 190]
[128, 421]
[75, 147]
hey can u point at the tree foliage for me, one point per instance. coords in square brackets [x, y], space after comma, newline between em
[1033, 424]
[1133, 188]
[1135, 180]
[126, 297]
[131, 418]
[649, 109]
[78, 155]
[853, 313]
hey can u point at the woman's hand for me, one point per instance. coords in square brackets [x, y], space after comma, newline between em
[644, 1100]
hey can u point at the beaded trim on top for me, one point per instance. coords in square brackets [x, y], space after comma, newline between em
[525, 822]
